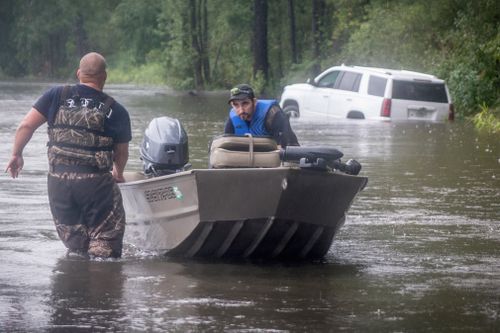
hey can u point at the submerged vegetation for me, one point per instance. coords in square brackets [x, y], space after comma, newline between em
[213, 44]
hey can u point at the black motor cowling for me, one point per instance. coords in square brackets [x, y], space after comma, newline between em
[320, 158]
[164, 148]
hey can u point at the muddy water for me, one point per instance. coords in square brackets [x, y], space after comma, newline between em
[420, 250]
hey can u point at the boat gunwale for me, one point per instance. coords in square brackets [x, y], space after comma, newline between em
[194, 171]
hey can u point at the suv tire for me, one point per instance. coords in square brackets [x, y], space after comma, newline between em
[292, 111]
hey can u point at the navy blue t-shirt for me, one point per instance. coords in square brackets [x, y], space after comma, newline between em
[117, 125]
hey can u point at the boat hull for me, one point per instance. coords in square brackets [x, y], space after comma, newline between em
[239, 213]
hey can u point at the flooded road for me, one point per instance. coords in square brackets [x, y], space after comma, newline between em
[420, 249]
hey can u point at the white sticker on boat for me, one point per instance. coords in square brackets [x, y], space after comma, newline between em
[163, 193]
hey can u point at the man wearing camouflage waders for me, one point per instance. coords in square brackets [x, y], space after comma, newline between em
[89, 133]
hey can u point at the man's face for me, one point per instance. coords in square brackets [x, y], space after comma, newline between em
[244, 108]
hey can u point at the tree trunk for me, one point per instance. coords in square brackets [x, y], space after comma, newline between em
[204, 43]
[318, 8]
[260, 61]
[195, 44]
[293, 38]
[82, 43]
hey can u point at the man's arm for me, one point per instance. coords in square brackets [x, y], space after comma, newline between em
[278, 123]
[24, 132]
[120, 158]
[228, 127]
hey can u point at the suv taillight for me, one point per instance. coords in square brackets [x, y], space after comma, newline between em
[386, 108]
[451, 112]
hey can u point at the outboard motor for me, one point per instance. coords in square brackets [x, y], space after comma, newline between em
[164, 148]
[320, 158]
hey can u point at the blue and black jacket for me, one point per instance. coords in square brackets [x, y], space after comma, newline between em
[257, 126]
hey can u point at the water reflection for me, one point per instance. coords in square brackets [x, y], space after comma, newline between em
[86, 296]
[217, 296]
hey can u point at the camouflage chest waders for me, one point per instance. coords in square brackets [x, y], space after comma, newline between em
[85, 201]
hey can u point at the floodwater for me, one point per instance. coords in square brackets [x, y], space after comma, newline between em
[420, 250]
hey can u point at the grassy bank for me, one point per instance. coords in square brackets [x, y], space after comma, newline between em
[488, 119]
[147, 74]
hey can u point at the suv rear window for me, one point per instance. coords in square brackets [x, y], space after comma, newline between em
[419, 91]
[376, 86]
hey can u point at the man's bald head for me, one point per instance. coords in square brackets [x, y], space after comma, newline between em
[92, 64]
[92, 70]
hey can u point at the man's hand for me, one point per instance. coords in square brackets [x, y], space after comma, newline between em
[120, 157]
[118, 177]
[15, 165]
[27, 127]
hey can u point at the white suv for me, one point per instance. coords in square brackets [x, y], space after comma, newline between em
[368, 92]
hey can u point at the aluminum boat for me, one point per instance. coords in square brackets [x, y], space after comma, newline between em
[253, 201]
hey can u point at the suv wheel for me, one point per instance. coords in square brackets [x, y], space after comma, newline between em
[292, 111]
[355, 115]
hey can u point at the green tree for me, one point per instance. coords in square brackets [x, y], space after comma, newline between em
[135, 25]
[398, 35]
[40, 41]
[9, 64]
[472, 61]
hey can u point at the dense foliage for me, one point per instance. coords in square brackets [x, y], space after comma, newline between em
[210, 44]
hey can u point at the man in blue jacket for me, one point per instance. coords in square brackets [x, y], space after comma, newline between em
[258, 117]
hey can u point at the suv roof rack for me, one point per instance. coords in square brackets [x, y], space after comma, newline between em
[389, 71]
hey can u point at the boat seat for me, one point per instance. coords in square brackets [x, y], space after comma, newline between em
[230, 151]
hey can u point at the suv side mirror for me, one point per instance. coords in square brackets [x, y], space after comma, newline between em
[311, 81]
